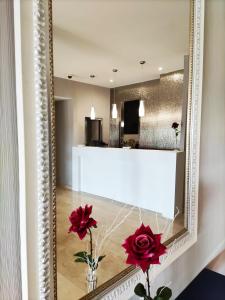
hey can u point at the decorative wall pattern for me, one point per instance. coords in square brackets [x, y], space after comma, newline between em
[164, 99]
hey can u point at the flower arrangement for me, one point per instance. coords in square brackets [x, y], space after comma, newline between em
[175, 127]
[82, 224]
[144, 249]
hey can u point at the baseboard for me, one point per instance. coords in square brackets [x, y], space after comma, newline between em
[218, 250]
[66, 187]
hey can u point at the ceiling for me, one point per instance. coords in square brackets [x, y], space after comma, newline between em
[95, 36]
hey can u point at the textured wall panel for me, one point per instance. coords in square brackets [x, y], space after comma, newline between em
[156, 131]
[10, 279]
[163, 105]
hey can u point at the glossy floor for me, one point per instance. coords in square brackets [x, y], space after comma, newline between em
[71, 276]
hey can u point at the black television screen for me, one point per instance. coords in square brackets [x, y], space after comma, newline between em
[131, 117]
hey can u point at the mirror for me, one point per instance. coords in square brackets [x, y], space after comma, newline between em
[121, 81]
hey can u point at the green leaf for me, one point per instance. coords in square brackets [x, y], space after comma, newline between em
[147, 298]
[140, 290]
[101, 258]
[82, 254]
[81, 260]
[163, 293]
[90, 259]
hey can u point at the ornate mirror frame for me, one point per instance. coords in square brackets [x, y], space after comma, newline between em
[120, 287]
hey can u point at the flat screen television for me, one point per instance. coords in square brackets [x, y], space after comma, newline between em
[131, 117]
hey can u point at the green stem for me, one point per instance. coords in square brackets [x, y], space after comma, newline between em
[148, 283]
[91, 244]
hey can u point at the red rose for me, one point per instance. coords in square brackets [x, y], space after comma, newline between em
[175, 125]
[81, 221]
[144, 248]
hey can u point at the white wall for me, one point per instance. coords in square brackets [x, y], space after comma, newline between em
[27, 147]
[83, 96]
[10, 267]
[211, 230]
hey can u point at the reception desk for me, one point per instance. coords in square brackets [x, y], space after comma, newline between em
[144, 178]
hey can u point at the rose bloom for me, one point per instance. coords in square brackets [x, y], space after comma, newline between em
[80, 221]
[175, 125]
[144, 248]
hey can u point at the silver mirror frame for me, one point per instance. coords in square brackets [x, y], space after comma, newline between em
[122, 287]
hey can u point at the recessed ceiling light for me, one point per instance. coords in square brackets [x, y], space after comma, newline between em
[111, 80]
[160, 68]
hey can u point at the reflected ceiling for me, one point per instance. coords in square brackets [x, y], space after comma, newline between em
[95, 36]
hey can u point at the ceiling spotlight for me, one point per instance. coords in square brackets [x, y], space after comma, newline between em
[111, 80]
[70, 76]
[142, 62]
[160, 68]
[92, 76]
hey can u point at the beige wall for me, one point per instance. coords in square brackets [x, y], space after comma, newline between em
[64, 142]
[70, 120]
[83, 96]
[211, 228]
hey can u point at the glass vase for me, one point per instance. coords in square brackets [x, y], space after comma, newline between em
[91, 280]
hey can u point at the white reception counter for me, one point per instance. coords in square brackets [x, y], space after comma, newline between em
[144, 178]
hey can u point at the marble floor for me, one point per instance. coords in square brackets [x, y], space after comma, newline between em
[70, 275]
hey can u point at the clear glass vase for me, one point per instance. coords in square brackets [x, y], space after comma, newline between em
[91, 280]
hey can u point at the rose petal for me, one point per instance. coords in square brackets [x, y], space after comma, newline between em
[82, 234]
[143, 248]
[80, 220]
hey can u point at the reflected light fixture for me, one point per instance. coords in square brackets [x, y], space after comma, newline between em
[114, 106]
[122, 124]
[141, 110]
[92, 114]
[160, 68]
[114, 111]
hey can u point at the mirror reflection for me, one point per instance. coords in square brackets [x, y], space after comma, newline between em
[121, 78]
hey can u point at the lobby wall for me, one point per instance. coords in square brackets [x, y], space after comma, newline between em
[163, 100]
